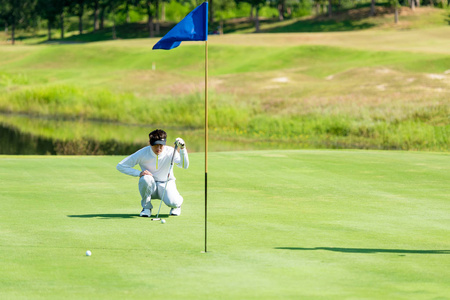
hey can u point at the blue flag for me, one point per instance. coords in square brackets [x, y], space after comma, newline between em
[194, 27]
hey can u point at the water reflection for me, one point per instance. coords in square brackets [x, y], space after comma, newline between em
[44, 136]
[13, 142]
[31, 135]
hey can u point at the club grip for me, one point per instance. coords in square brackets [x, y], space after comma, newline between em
[173, 155]
[171, 162]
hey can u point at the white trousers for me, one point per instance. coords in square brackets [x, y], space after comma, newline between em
[151, 189]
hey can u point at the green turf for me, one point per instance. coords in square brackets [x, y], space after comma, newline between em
[282, 225]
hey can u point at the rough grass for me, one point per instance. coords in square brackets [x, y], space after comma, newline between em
[282, 224]
[314, 96]
[371, 89]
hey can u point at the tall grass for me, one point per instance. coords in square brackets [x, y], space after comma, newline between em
[418, 128]
[310, 96]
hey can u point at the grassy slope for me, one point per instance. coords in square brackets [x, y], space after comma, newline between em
[357, 89]
[422, 40]
[383, 89]
[318, 224]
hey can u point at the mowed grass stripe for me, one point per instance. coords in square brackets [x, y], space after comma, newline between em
[99, 60]
[282, 224]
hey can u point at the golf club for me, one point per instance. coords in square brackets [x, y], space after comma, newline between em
[165, 186]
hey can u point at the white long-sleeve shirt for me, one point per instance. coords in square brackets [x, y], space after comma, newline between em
[158, 165]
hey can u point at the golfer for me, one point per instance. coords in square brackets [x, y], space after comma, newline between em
[154, 161]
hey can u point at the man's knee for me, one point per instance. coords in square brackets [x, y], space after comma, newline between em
[175, 201]
[147, 185]
[147, 180]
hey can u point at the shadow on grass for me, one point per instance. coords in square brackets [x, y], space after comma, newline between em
[114, 216]
[353, 19]
[123, 32]
[367, 250]
[24, 37]
[303, 25]
[345, 20]
[321, 26]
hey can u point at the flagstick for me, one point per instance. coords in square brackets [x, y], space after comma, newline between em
[206, 141]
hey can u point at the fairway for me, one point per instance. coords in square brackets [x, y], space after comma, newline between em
[315, 224]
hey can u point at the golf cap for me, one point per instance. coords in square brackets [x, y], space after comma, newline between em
[159, 142]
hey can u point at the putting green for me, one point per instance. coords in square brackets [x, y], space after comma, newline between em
[282, 224]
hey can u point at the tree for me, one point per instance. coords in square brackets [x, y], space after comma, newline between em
[127, 10]
[95, 6]
[113, 5]
[257, 4]
[163, 10]
[125, 6]
[103, 6]
[414, 3]
[330, 8]
[47, 9]
[211, 11]
[157, 27]
[147, 6]
[281, 9]
[60, 6]
[6, 14]
[396, 6]
[280, 5]
[317, 7]
[17, 12]
[77, 8]
[372, 8]
[221, 7]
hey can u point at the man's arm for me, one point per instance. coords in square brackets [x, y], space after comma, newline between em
[126, 166]
[182, 159]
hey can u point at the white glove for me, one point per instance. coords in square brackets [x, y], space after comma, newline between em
[180, 143]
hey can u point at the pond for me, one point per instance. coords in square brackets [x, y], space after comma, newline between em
[25, 135]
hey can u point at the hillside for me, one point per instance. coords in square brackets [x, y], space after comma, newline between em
[369, 89]
[346, 20]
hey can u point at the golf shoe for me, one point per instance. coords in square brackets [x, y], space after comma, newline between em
[145, 212]
[175, 211]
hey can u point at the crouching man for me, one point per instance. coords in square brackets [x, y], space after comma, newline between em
[154, 161]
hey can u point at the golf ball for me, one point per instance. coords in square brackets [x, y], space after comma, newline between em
[88, 253]
[163, 221]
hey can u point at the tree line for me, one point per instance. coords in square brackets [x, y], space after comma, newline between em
[25, 14]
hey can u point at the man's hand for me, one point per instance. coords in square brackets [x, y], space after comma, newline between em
[180, 142]
[145, 172]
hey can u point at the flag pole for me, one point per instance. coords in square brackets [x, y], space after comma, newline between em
[190, 28]
[206, 142]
